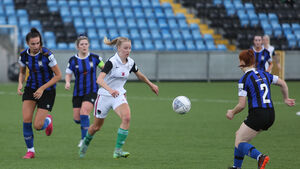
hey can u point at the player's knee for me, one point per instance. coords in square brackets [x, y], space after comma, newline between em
[96, 128]
[126, 119]
[38, 125]
[85, 111]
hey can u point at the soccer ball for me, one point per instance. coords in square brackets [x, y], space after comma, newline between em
[181, 104]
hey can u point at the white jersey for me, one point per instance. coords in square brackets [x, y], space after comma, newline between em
[117, 74]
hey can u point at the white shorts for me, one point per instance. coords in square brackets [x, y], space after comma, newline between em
[104, 103]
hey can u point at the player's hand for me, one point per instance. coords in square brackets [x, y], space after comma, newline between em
[67, 86]
[114, 93]
[38, 93]
[229, 114]
[154, 88]
[289, 102]
[20, 86]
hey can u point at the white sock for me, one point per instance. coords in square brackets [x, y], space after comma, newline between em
[49, 119]
[31, 149]
[258, 157]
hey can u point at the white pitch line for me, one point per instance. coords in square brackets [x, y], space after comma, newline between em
[151, 98]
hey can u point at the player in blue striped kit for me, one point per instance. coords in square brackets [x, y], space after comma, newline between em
[262, 55]
[40, 88]
[84, 67]
[255, 84]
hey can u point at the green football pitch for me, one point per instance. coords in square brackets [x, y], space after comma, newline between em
[158, 137]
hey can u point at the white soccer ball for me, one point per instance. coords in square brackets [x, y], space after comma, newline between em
[181, 104]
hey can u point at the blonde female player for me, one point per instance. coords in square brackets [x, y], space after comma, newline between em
[40, 89]
[254, 84]
[84, 66]
[111, 95]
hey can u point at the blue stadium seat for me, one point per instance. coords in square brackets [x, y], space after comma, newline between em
[124, 33]
[65, 11]
[162, 23]
[110, 22]
[148, 45]
[118, 13]
[92, 33]
[182, 24]
[71, 46]
[221, 47]
[146, 4]
[217, 2]
[196, 35]
[121, 23]
[12, 20]
[115, 3]
[137, 45]
[106, 47]
[8, 2]
[166, 5]
[158, 44]
[145, 34]
[23, 21]
[75, 11]
[275, 25]
[62, 46]
[96, 11]
[249, 6]
[169, 13]
[3, 20]
[125, 3]
[84, 4]
[138, 12]
[95, 44]
[152, 23]
[179, 45]
[176, 34]
[186, 34]
[159, 14]
[80, 30]
[86, 12]
[51, 44]
[72, 4]
[273, 17]
[172, 23]
[104, 3]
[113, 33]
[200, 45]
[262, 16]
[286, 26]
[128, 13]
[134, 34]
[136, 4]
[89, 22]
[142, 23]
[194, 26]
[277, 33]
[100, 23]
[78, 23]
[102, 33]
[155, 34]
[238, 5]
[94, 3]
[21, 12]
[166, 35]
[107, 12]
[169, 45]
[210, 46]
[10, 10]
[155, 3]
[49, 35]
[296, 26]
[149, 13]
[190, 45]
[208, 38]
[131, 23]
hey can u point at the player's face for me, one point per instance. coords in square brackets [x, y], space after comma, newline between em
[83, 46]
[257, 41]
[124, 49]
[265, 40]
[34, 44]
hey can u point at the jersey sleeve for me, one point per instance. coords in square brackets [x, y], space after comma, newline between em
[21, 62]
[107, 67]
[242, 87]
[52, 60]
[134, 68]
[70, 67]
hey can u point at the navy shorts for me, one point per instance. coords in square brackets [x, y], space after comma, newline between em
[77, 100]
[260, 118]
[45, 102]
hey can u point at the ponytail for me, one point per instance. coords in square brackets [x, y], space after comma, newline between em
[115, 42]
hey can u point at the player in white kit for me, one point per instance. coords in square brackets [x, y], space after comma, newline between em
[113, 95]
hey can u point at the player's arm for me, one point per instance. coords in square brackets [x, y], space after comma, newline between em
[68, 81]
[285, 92]
[143, 78]
[21, 79]
[238, 108]
[101, 64]
[270, 66]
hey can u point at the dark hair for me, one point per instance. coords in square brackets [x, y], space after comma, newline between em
[248, 57]
[33, 34]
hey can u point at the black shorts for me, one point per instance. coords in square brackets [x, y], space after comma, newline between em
[260, 118]
[77, 100]
[45, 102]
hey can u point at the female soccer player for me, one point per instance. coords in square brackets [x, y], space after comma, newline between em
[256, 85]
[40, 88]
[113, 95]
[271, 49]
[262, 55]
[84, 66]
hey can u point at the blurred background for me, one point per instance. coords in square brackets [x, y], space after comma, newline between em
[196, 40]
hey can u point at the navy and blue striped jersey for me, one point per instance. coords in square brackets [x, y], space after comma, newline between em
[84, 70]
[256, 86]
[39, 66]
[261, 57]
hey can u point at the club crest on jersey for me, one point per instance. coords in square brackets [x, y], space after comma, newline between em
[262, 58]
[76, 66]
[91, 64]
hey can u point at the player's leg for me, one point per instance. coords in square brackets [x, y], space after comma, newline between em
[85, 110]
[28, 111]
[123, 111]
[43, 121]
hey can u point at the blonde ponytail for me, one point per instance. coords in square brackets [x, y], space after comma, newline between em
[115, 42]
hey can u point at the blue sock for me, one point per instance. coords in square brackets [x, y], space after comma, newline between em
[85, 123]
[77, 121]
[28, 134]
[238, 158]
[46, 123]
[249, 150]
